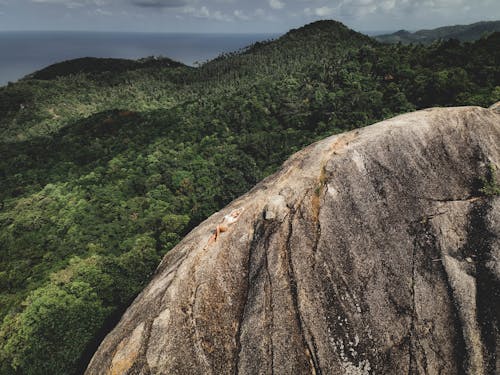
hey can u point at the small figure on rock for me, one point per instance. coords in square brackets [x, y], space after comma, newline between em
[224, 226]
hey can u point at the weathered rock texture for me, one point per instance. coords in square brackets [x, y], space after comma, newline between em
[369, 252]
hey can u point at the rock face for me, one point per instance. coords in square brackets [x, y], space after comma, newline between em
[371, 252]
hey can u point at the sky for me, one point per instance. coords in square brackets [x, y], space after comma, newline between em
[238, 16]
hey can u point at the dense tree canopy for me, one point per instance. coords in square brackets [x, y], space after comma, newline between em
[103, 170]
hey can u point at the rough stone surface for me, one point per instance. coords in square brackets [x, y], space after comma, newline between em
[371, 252]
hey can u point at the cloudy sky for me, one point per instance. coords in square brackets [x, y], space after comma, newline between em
[238, 15]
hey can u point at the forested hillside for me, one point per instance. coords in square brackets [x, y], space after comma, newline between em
[464, 33]
[105, 167]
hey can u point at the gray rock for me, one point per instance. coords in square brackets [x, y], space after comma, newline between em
[370, 252]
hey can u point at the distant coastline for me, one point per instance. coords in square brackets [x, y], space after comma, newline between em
[29, 51]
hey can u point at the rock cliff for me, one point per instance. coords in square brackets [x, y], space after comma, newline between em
[375, 251]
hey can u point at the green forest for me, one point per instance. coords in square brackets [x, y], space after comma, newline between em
[464, 33]
[106, 164]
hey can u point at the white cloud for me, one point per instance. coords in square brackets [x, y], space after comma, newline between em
[319, 12]
[72, 3]
[69, 4]
[161, 3]
[261, 14]
[257, 14]
[241, 15]
[361, 8]
[102, 12]
[276, 4]
[205, 13]
[388, 5]
[324, 11]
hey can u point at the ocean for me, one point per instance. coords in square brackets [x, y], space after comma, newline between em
[22, 53]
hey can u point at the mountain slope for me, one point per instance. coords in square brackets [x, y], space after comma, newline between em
[374, 251]
[464, 33]
[103, 171]
[91, 65]
[324, 56]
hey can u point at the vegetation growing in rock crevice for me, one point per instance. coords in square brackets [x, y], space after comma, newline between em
[102, 172]
[490, 186]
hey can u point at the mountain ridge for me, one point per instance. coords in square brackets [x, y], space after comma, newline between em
[92, 65]
[464, 33]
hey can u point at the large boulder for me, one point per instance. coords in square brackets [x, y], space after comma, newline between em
[374, 251]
